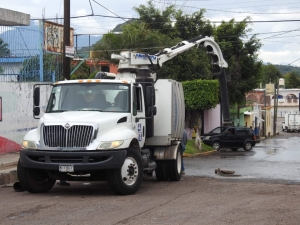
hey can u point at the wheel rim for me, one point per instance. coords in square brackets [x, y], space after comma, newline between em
[248, 146]
[216, 145]
[129, 171]
[179, 161]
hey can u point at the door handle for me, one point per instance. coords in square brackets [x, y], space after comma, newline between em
[143, 131]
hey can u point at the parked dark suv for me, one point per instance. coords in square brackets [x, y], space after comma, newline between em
[230, 137]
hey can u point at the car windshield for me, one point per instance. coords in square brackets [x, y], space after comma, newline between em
[218, 130]
[103, 97]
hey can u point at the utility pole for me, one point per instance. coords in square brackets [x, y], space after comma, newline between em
[66, 41]
[275, 107]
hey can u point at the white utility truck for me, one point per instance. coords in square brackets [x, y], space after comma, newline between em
[117, 130]
[291, 123]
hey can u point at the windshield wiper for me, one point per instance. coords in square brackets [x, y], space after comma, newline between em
[87, 109]
[61, 110]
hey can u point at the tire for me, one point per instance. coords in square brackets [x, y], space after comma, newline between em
[216, 145]
[174, 167]
[248, 146]
[234, 149]
[33, 180]
[161, 170]
[127, 179]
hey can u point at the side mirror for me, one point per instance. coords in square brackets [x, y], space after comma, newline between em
[36, 101]
[36, 111]
[36, 96]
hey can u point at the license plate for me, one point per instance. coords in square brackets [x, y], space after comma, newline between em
[66, 168]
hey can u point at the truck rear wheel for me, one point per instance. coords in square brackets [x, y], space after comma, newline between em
[33, 180]
[161, 170]
[174, 166]
[127, 179]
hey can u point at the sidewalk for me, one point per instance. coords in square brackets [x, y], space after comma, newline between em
[8, 168]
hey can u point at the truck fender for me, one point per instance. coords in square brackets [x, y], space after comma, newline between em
[167, 152]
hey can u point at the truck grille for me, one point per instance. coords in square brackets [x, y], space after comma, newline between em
[76, 136]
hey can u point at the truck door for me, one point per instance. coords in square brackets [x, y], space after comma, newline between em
[139, 112]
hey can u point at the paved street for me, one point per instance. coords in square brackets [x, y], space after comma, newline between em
[266, 192]
[275, 159]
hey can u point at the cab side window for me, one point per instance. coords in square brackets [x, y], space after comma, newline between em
[139, 99]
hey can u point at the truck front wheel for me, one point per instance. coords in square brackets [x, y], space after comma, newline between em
[127, 179]
[33, 180]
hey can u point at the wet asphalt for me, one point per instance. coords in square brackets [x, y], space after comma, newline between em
[275, 159]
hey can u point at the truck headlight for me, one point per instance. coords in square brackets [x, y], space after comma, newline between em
[29, 144]
[207, 137]
[110, 144]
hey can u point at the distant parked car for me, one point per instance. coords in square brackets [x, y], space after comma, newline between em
[230, 137]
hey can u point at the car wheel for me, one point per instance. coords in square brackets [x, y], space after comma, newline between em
[234, 149]
[248, 146]
[216, 145]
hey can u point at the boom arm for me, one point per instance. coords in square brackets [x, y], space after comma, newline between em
[132, 60]
[208, 42]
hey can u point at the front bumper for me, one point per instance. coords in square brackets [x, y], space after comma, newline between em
[81, 161]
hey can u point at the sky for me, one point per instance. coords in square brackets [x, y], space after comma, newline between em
[276, 22]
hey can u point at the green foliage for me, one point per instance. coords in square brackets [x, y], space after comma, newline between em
[31, 68]
[4, 50]
[244, 68]
[156, 19]
[192, 149]
[270, 74]
[188, 26]
[284, 69]
[82, 72]
[201, 94]
[191, 65]
[134, 37]
[292, 80]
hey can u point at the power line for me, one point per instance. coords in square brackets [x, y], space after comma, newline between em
[217, 10]
[293, 62]
[129, 18]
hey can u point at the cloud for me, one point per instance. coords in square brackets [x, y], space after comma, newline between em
[279, 57]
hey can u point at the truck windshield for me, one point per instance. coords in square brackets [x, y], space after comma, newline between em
[103, 97]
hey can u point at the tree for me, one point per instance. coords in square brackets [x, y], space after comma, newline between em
[270, 74]
[4, 50]
[199, 95]
[52, 65]
[193, 64]
[156, 19]
[135, 36]
[244, 70]
[292, 80]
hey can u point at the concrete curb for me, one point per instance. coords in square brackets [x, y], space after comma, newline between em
[8, 177]
[198, 154]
